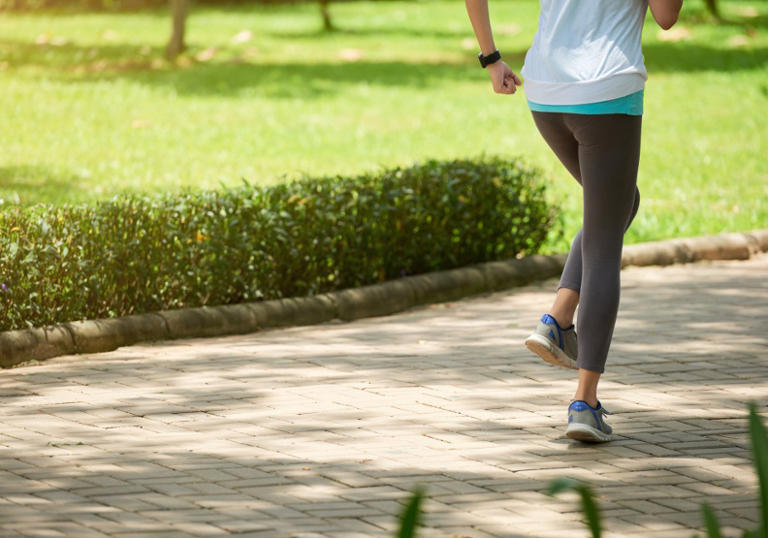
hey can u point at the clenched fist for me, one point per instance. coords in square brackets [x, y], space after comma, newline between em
[503, 78]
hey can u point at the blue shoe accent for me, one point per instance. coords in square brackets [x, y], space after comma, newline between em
[580, 405]
[586, 423]
[554, 344]
[549, 320]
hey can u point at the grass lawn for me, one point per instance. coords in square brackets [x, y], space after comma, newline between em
[89, 109]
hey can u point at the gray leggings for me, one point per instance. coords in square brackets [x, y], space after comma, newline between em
[602, 152]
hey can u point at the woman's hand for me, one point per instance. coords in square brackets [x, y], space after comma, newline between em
[503, 78]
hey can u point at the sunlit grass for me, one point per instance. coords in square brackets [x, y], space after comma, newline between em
[90, 109]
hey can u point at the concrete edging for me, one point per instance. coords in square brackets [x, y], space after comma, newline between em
[101, 335]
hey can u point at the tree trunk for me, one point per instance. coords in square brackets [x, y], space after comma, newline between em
[176, 44]
[712, 7]
[327, 24]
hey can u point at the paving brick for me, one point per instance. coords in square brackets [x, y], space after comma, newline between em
[324, 431]
[372, 493]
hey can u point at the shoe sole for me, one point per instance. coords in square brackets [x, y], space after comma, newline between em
[551, 354]
[586, 433]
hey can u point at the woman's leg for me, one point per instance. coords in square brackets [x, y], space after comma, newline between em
[564, 306]
[609, 153]
[565, 146]
[586, 390]
[605, 150]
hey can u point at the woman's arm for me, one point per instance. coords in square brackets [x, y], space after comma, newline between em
[502, 77]
[481, 24]
[665, 11]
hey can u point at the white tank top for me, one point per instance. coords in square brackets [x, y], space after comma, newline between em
[586, 51]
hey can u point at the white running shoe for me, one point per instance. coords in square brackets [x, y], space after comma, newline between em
[553, 344]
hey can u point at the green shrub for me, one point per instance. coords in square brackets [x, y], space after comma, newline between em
[138, 254]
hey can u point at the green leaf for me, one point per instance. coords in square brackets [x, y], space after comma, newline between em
[588, 505]
[710, 519]
[759, 439]
[559, 485]
[410, 518]
[591, 510]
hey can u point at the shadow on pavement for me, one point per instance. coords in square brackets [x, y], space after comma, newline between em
[325, 429]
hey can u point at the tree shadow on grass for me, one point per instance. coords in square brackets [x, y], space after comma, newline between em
[698, 15]
[235, 75]
[682, 57]
[72, 58]
[304, 80]
[372, 33]
[230, 77]
[28, 184]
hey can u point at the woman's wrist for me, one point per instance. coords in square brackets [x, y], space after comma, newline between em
[487, 60]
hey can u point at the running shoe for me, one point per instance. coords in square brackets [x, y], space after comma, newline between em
[586, 423]
[553, 343]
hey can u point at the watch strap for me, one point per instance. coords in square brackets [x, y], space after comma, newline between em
[493, 57]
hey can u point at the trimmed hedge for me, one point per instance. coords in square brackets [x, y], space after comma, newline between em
[138, 254]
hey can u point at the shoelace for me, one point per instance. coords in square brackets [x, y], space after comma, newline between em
[602, 412]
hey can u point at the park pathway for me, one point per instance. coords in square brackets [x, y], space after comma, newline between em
[322, 431]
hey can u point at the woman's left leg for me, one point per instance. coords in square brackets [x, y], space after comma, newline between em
[609, 153]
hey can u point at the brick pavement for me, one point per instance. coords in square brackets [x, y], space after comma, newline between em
[322, 431]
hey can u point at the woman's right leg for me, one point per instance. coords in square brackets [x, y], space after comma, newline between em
[565, 146]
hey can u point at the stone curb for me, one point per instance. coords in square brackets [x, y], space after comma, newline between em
[376, 300]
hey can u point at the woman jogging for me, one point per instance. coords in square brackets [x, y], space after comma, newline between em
[584, 79]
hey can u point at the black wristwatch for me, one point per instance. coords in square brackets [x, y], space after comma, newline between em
[493, 57]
